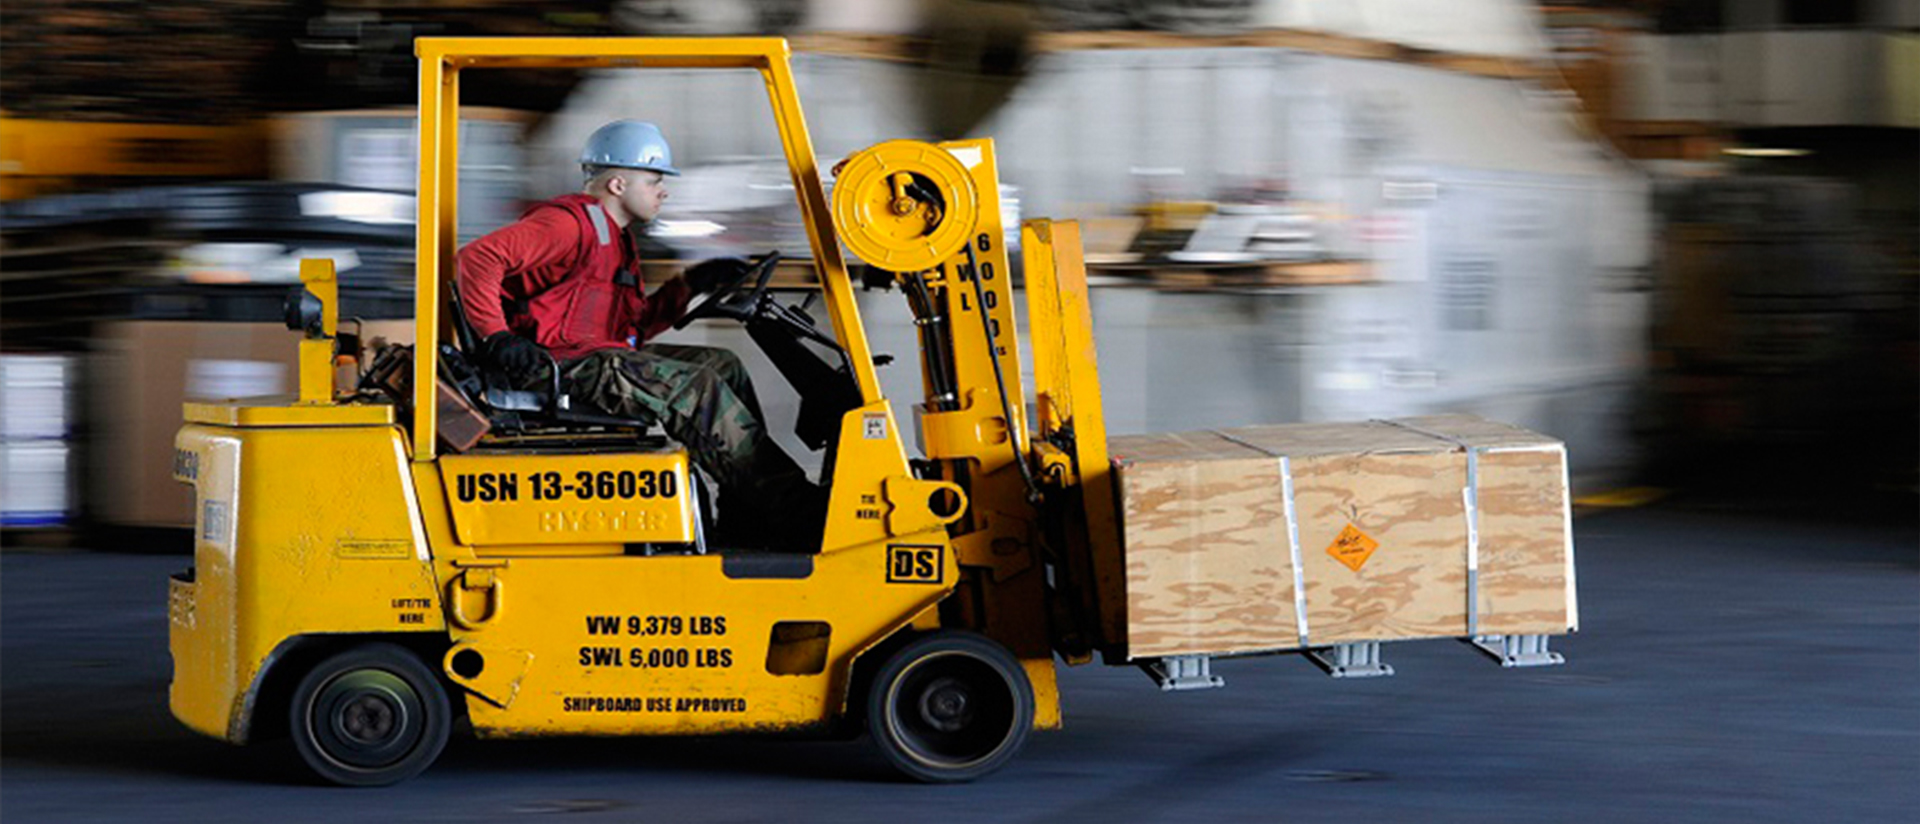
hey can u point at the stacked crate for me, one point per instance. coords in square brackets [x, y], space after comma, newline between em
[35, 427]
[177, 61]
[359, 53]
[221, 62]
[1782, 331]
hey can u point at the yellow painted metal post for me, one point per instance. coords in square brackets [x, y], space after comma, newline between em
[447, 205]
[819, 219]
[1066, 377]
[989, 247]
[439, 130]
[316, 352]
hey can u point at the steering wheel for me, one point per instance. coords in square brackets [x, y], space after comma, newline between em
[730, 300]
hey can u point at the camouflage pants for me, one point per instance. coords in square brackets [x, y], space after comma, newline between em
[702, 397]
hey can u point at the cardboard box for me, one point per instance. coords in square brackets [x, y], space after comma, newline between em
[146, 370]
[1273, 538]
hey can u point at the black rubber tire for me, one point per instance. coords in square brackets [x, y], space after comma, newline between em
[950, 707]
[370, 716]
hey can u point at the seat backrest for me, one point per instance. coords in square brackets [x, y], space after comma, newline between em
[463, 333]
[512, 409]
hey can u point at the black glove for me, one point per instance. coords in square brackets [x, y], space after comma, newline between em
[709, 275]
[520, 358]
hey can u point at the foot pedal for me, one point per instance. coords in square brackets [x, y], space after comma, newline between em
[1518, 650]
[1182, 672]
[1361, 660]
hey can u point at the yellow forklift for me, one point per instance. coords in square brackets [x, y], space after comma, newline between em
[359, 584]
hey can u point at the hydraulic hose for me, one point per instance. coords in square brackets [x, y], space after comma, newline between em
[1000, 378]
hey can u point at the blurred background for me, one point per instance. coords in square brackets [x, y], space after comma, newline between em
[1679, 234]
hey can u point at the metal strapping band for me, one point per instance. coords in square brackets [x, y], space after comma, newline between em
[1470, 497]
[599, 218]
[1293, 533]
[1293, 544]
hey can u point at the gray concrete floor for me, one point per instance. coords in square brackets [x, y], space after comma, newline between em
[1736, 664]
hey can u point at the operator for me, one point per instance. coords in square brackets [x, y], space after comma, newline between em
[564, 280]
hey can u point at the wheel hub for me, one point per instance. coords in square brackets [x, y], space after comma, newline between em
[368, 719]
[947, 705]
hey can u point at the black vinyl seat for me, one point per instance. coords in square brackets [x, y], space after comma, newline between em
[510, 408]
[542, 419]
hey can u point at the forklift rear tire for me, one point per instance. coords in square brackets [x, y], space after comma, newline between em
[370, 716]
[950, 707]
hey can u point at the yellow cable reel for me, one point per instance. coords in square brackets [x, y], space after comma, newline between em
[904, 205]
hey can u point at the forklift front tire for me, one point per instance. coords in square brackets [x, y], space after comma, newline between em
[950, 707]
[370, 716]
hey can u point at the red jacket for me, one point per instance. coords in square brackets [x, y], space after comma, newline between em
[565, 276]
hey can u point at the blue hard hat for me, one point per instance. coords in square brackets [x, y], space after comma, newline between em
[629, 144]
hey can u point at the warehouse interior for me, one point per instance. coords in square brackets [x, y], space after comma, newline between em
[1648, 228]
[1682, 237]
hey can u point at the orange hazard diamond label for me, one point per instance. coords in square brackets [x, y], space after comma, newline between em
[1352, 547]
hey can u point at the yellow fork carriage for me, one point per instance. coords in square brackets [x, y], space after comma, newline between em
[357, 585]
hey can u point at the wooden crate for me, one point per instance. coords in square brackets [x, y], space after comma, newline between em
[144, 370]
[1274, 538]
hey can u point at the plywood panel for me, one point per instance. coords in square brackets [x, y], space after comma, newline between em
[1207, 558]
[148, 369]
[1525, 552]
[1414, 583]
[1471, 430]
[1175, 446]
[1302, 440]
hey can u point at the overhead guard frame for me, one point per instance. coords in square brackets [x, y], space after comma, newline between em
[441, 61]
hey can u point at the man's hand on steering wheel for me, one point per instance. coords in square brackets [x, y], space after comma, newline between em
[731, 297]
